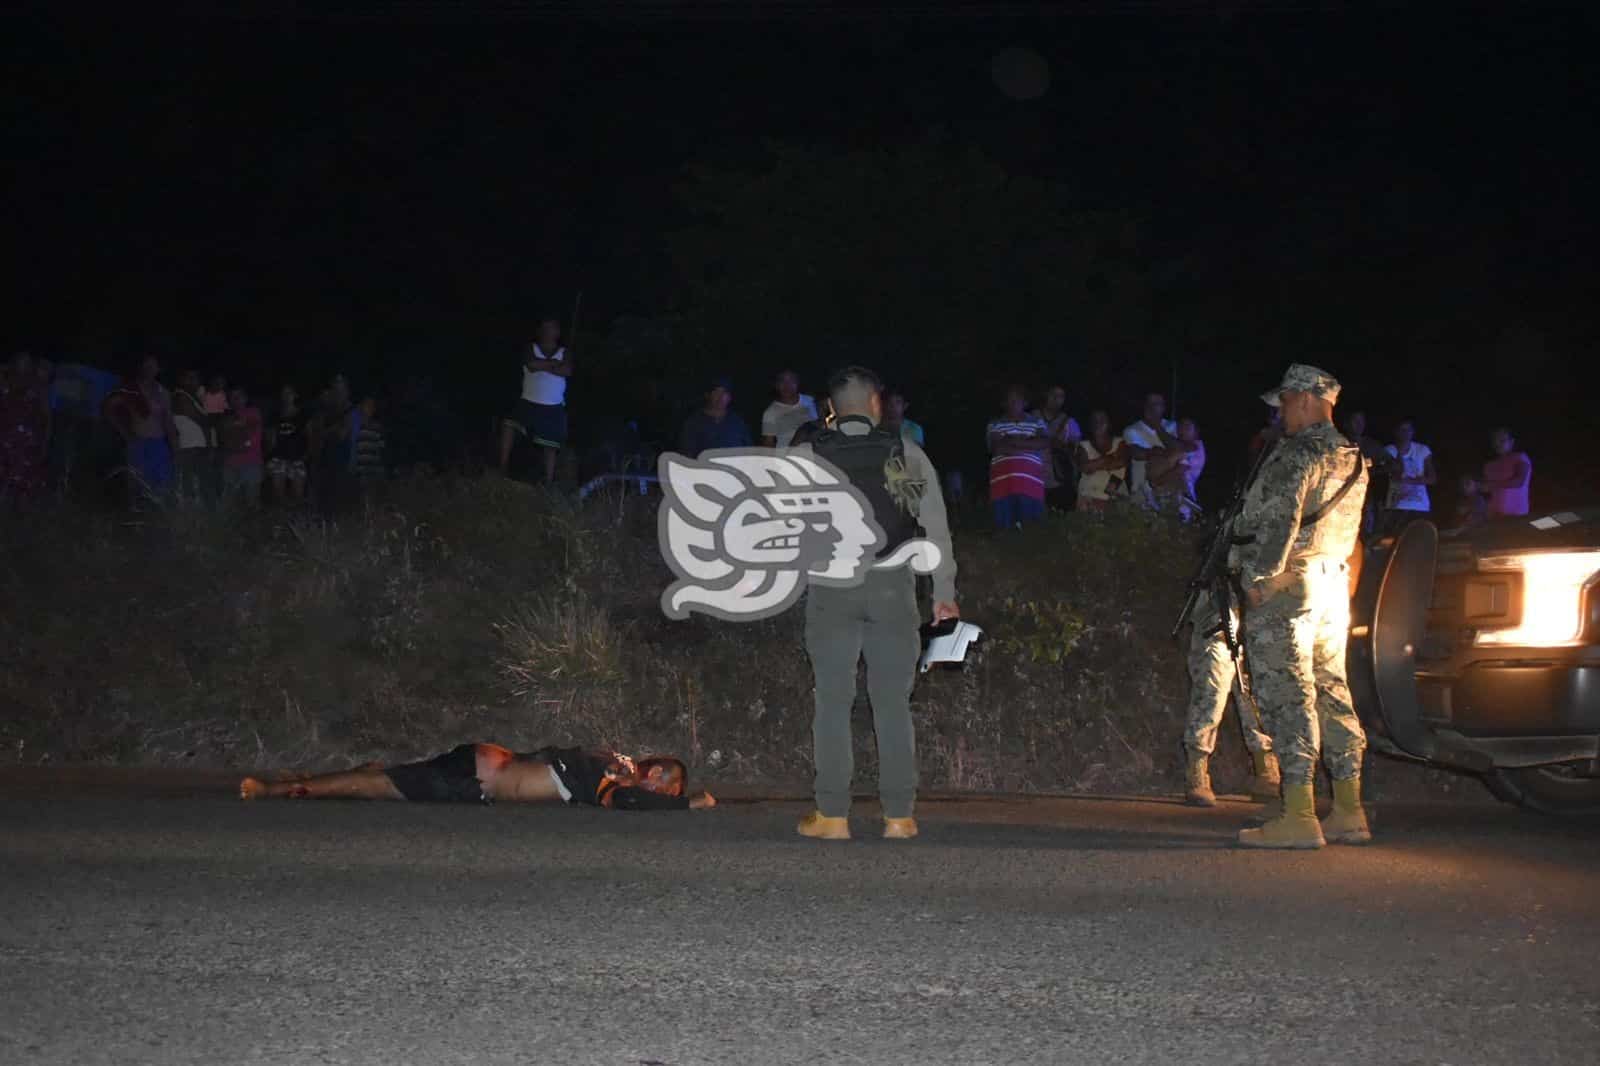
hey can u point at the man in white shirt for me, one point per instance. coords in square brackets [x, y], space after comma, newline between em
[541, 413]
[1154, 432]
[791, 410]
[1410, 473]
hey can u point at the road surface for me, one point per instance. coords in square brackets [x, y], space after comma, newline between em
[137, 928]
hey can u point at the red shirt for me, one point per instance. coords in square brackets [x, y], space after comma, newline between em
[250, 455]
[1503, 468]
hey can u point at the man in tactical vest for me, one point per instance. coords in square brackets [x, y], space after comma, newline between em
[1294, 538]
[877, 619]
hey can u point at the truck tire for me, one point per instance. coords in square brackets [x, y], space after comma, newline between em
[1555, 789]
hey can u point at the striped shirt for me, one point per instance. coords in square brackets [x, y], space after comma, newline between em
[1019, 474]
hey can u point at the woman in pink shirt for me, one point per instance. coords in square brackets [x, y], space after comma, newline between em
[1506, 476]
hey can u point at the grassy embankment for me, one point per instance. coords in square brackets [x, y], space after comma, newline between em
[451, 610]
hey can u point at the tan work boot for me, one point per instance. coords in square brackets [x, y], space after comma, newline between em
[1265, 778]
[1197, 782]
[1347, 822]
[899, 828]
[819, 826]
[1295, 828]
[1269, 811]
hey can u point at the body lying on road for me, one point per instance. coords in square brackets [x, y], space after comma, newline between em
[485, 773]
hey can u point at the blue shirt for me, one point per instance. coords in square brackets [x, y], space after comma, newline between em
[702, 433]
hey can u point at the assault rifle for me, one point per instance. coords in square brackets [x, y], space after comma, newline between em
[1212, 573]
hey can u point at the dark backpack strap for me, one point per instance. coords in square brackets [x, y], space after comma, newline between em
[1349, 483]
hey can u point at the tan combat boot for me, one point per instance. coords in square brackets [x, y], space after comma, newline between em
[1265, 780]
[819, 826]
[1297, 827]
[1197, 783]
[1347, 822]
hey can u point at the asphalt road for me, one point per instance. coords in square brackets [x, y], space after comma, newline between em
[145, 929]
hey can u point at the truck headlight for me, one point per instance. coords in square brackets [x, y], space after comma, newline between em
[1553, 585]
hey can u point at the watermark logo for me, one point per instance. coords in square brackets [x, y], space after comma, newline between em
[746, 529]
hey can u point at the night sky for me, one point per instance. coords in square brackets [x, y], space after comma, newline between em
[1405, 198]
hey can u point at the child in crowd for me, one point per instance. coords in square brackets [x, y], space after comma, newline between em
[241, 445]
[369, 443]
[1472, 507]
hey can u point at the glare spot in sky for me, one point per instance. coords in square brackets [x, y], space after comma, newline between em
[1021, 73]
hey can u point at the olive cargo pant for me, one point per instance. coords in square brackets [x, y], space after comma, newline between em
[878, 620]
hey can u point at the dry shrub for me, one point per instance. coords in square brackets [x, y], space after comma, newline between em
[559, 641]
[449, 610]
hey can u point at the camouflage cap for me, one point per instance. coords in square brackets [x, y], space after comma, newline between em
[1301, 377]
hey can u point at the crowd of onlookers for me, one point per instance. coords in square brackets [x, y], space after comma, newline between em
[202, 443]
[199, 443]
[1041, 457]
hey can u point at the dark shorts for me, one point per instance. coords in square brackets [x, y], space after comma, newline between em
[544, 423]
[151, 459]
[1012, 511]
[448, 778]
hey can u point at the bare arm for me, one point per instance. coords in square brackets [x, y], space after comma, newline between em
[1088, 465]
[1429, 476]
[1115, 459]
[1009, 445]
[1519, 477]
[561, 368]
[935, 522]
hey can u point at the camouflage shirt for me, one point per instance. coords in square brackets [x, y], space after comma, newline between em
[1303, 473]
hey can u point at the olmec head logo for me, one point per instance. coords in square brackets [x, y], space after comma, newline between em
[745, 529]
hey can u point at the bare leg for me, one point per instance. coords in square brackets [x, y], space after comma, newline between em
[278, 481]
[369, 783]
[550, 465]
[507, 438]
[296, 489]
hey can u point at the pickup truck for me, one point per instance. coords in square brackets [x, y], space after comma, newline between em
[1480, 650]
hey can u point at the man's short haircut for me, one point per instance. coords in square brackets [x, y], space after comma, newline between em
[666, 762]
[851, 389]
[1503, 429]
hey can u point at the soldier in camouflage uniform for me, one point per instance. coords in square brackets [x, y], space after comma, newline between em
[1301, 520]
[1212, 672]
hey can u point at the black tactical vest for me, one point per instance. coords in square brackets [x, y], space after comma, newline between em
[866, 460]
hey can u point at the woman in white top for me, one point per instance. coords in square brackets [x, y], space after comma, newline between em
[196, 436]
[1410, 473]
[1102, 465]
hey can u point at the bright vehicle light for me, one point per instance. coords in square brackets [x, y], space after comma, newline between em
[1552, 598]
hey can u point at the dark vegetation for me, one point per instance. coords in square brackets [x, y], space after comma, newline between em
[483, 609]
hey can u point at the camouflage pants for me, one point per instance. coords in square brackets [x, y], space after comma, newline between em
[1211, 674]
[1296, 644]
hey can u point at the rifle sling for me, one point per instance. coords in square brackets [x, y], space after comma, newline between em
[1349, 483]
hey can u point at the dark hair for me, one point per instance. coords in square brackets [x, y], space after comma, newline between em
[847, 376]
[644, 765]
